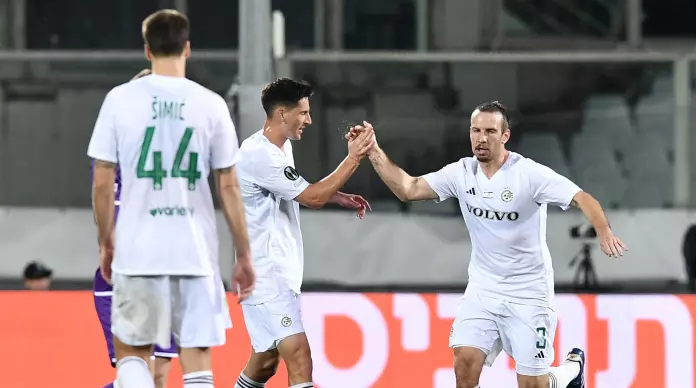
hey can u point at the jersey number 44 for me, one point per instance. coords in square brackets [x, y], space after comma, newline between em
[191, 173]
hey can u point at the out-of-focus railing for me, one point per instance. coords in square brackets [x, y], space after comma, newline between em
[599, 108]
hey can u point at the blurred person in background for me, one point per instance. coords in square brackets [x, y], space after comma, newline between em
[37, 276]
[102, 291]
[689, 254]
[272, 190]
[509, 301]
[167, 133]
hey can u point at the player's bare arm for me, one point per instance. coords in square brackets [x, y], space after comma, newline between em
[318, 194]
[609, 243]
[103, 199]
[406, 187]
[232, 206]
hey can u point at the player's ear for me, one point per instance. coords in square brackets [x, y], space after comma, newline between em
[147, 52]
[187, 51]
[506, 136]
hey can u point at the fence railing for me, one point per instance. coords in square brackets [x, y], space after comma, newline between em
[219, 69]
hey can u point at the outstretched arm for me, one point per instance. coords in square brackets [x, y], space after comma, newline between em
[551, 188]
[318, 194]
[610, 244]
[592, 210]
[404, 186]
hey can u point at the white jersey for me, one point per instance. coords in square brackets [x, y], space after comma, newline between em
[269, 184]
[165, 133]
[506, 217]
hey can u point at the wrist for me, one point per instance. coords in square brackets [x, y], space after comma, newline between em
[355, 159]
[374, 152]
[334, 198]
[602, 229]
[243, 255]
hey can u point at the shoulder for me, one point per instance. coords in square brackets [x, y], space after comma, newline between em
[256, 152]
[120, 92]
[527, 166]
[459, 165]
[206, 94]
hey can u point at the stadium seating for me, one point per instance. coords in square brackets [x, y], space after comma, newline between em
[603, 178]
[545, 148]
[608, 117]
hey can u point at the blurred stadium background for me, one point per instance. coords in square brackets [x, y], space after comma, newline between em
[601, 91]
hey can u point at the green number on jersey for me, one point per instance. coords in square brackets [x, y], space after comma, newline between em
[158, 173]
[542, 343]
[191, 174]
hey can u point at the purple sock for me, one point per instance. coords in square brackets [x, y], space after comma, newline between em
[110, 385]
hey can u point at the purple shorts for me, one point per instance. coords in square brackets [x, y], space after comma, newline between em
[103, 305]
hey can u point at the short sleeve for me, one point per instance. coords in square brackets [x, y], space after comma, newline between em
[224, 140]
[550, 188]
[103, 143]
[443, 181]
[274, 173]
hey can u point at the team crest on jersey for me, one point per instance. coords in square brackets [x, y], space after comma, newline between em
[286, 321]
[290, 173]
[507, 195]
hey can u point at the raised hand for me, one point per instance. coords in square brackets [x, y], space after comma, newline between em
[360, 145]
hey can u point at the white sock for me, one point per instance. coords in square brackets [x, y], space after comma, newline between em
[133, 372]
[562, 375]
[303, 385]
[202, 379]
[246, 382]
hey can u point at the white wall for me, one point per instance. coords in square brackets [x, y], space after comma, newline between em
[382, 248]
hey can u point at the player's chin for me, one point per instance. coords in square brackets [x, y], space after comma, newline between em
[483, 157]
[297, 135]
[481, 154]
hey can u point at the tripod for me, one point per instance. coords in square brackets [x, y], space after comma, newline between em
[584, 276]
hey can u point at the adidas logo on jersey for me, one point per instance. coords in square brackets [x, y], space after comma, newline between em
[540, 355]
[492, 214]
[471, 191]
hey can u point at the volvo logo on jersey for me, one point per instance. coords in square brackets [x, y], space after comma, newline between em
[492, 214]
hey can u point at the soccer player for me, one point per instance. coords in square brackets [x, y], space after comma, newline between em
[272, 190]
[509, 301]
[102, 291]
[166, 132]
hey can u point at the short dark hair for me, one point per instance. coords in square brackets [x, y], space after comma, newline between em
[166, 32]
[36, 270]
[286, 92]
[493, 107]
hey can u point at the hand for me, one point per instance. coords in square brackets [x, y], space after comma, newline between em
[610, 244]
[106, 257]
[361, 140]
[243, 277]
[352, 201]
[357, 129]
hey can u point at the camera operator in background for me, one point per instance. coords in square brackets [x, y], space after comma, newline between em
[37, 276]
[689, 256]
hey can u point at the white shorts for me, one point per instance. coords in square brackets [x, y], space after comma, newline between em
[525, 332]
[146, 309]
[270, 322]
